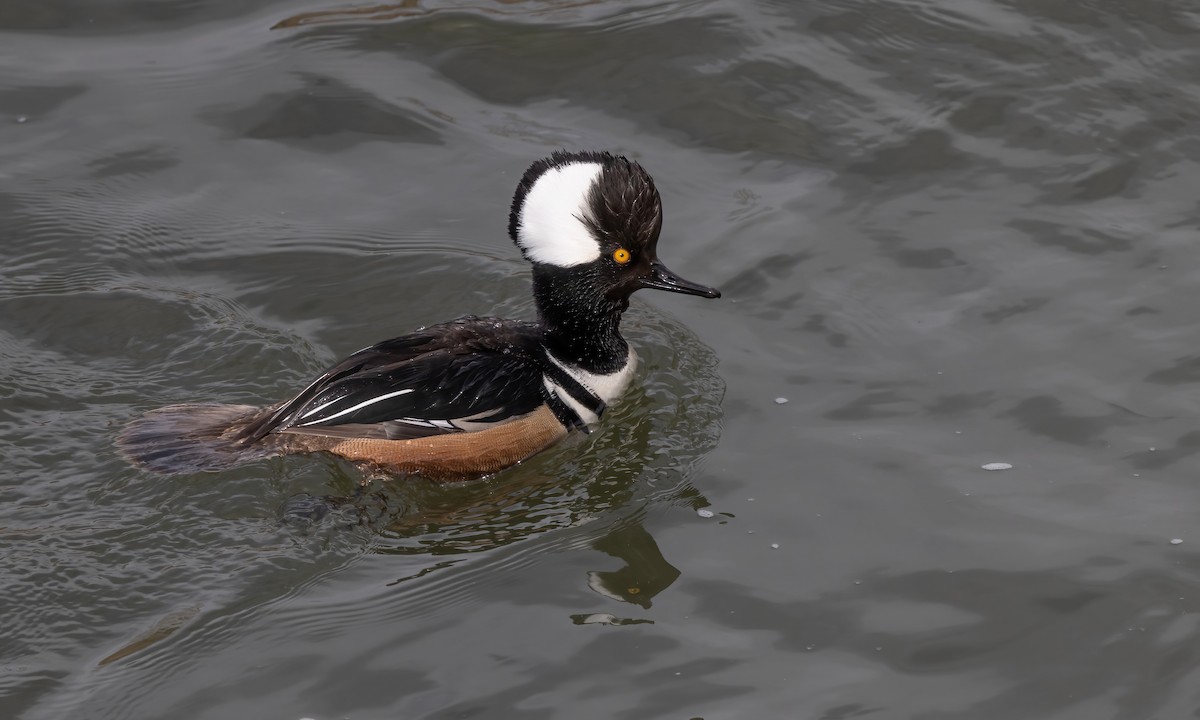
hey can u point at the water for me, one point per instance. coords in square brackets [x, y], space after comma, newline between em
[948, 234]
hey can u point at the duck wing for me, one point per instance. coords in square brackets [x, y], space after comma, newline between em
[462, 376]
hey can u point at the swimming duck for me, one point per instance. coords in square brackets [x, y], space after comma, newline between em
[471, 396]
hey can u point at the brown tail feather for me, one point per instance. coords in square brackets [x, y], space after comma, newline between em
[192, 438]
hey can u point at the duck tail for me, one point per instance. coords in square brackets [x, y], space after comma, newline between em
[192, 438]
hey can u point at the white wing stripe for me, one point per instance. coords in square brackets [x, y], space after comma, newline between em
[360, 406]
[415, 421]
[319, 408]
[437, 424]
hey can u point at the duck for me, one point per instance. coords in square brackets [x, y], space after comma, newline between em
[476, 395]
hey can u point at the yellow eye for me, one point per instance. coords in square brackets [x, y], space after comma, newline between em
[622, 256]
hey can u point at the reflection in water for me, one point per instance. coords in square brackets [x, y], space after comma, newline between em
[162, 630]
[646, 572]
[607, 619]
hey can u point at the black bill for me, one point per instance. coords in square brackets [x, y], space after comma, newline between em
[660, 278]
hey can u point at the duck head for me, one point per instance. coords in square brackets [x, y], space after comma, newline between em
[589, 223]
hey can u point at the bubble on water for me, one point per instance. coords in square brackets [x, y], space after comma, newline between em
[21, 119]
[1177, 541]
[997, 466]
[704, 513]
[781, 401]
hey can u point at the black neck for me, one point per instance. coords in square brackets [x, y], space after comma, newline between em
[579, 325]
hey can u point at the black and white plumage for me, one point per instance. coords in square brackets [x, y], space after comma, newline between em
[463, 375]
[589, 224]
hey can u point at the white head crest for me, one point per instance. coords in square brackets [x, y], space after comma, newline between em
[550, 225]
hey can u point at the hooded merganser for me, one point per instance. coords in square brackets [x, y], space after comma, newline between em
[475, 395]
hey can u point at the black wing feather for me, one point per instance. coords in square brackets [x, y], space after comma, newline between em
[487, 369]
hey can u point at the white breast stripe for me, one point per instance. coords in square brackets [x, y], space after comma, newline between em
[606, 387]
[587, 416]
[360, 406]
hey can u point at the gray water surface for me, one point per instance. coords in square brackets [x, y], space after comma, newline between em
[948, 234]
